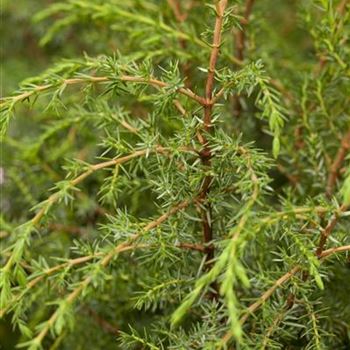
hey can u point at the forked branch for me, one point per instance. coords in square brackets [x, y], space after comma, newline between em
[278, 283]
[337, 163]
[103, 263]
[326, 232]
[93, 79]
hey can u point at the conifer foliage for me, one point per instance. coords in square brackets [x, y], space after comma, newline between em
[183, 183]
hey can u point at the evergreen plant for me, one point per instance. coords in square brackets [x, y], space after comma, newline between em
[184, 181]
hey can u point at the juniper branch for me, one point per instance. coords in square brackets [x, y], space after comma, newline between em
[337, 163]
[206, 153]
[326, 232]
[281, 281]
[55, 197]
[91, 79]
[104, 262]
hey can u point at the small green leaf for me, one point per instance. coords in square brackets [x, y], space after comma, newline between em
[276, 146]
[345, 191]
[319, 281]
[5, 286]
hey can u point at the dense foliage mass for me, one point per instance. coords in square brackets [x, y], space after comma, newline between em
[179, 178]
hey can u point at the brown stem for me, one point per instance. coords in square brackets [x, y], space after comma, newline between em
[337, 163]
[192, 246]
[206, 153]
[220, 9]
[282, 280]
[74, 230]
[326, 232]
[125, 78]
[54, 198]
[342, 7]
[331, 251]
[103, 323]
[105, 261]
[293, 179]
[176, 7]
[256, 305]
[83, 259]
[253, 307]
